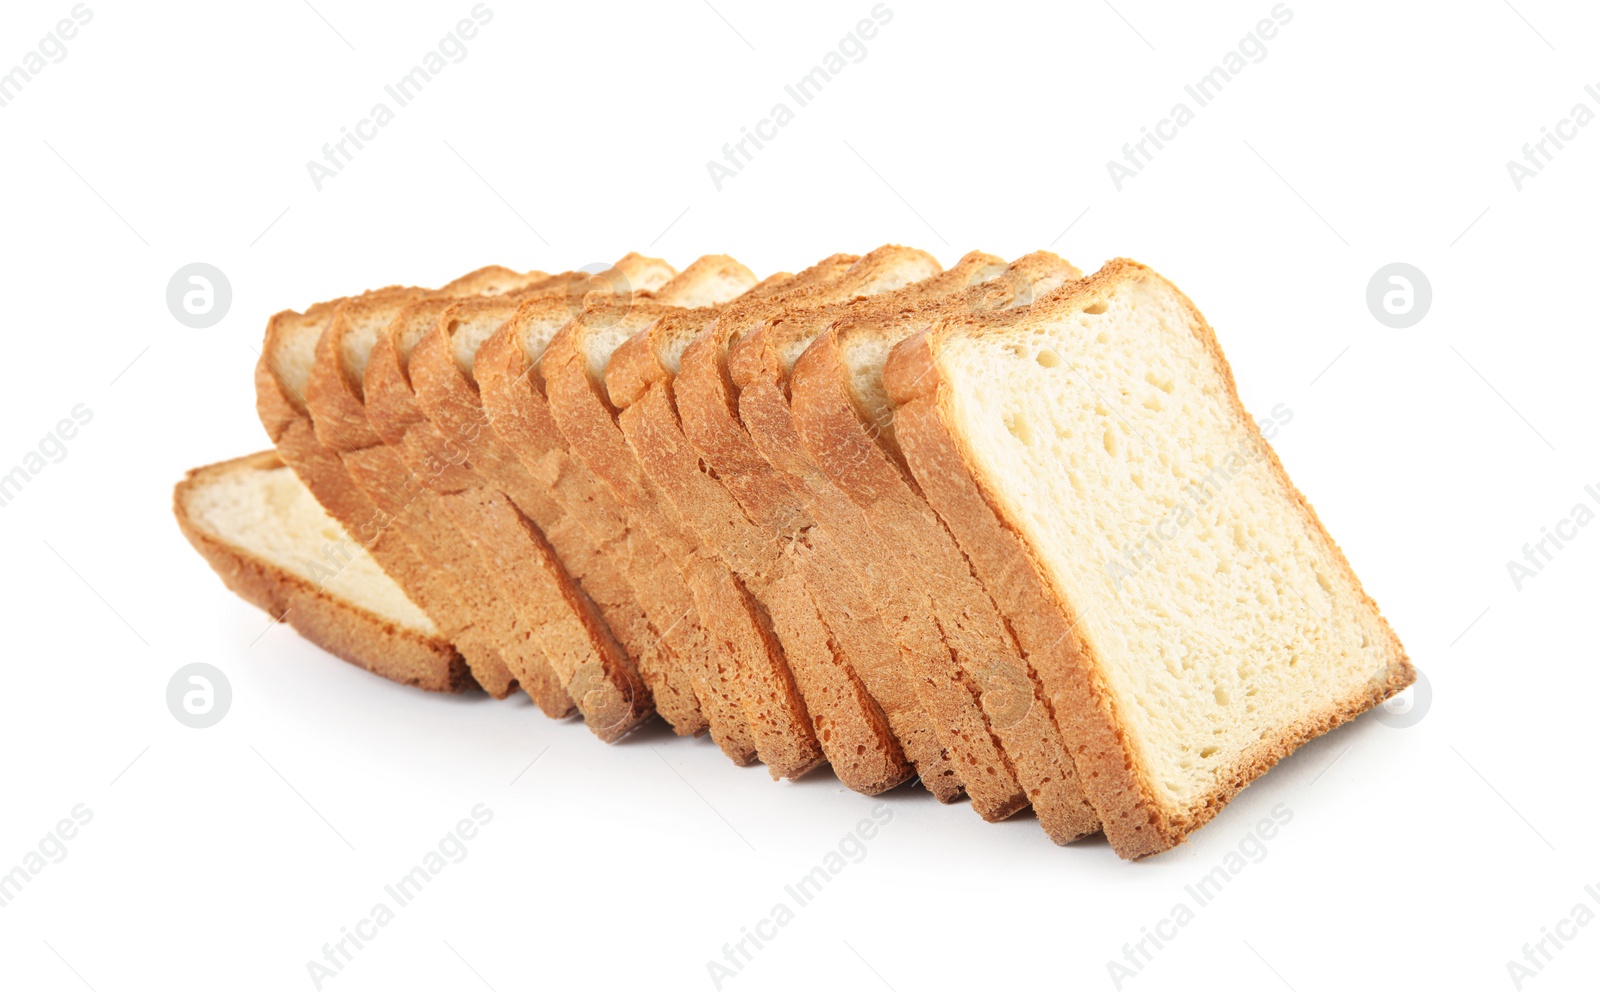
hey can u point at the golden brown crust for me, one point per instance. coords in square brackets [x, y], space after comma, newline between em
[1134, 821]
[813, 697]
[731, 496]
[481, 627]
[758, 370]
[518, 413]
[786, 642]
[338, 626]
[283, 413]
[766, 350]
[975, 681]
[585, 419]
[493, 280]
[518, 570]
[606, 682]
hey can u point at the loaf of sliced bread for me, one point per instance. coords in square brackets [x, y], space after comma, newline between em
[271, 542]
[1190, 617]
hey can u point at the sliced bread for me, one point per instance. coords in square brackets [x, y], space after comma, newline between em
[1189, 616]
[336, 400]
[848, 724]
[441, 376]
[287, 355]
[978, 689]
[512, 392]
[779, 488]
[832, 398]
[518, 565]
[271, 542]
[741, 662]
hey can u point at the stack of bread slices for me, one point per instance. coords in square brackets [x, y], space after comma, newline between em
[999, 528]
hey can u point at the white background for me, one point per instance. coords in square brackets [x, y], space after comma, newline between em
[1423, 856]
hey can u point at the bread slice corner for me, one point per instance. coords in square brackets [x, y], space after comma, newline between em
[270, 542]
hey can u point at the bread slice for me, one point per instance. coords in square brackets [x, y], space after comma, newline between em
[969, 676]
[287, 355]
[531, 462]
[853, 446]
[442, 378]
[518, 566]
[271, 542]
[847, 722]
[746, 693]
[512, 392]
[335, 400]
[1190, 616]
[779, 487]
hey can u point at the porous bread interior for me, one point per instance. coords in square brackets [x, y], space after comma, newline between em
[358, 342]
[416, 321]
[864, 355]
[271, 514]
[606, 332]
[791, 352]
[472, 331]
[709, 290]
[1100, 432]
[541, 325]
[672, 337]
[990, 288]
